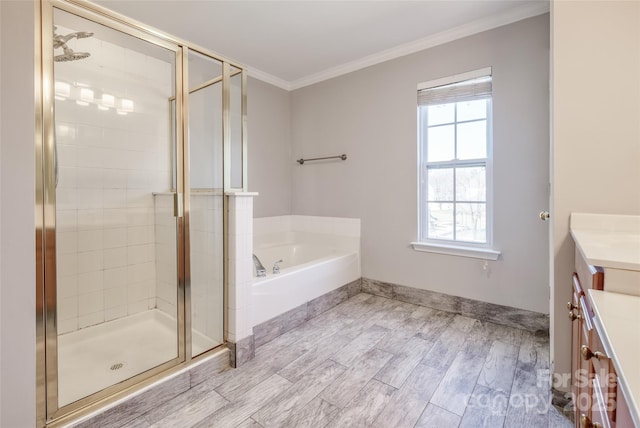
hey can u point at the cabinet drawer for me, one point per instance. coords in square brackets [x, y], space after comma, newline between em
[590, 276]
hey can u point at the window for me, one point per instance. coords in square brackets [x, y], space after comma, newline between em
[455, 161]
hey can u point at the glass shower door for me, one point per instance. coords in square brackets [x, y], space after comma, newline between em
[206, 196]
[116, 259]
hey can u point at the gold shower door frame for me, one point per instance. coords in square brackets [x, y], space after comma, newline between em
[48, 411]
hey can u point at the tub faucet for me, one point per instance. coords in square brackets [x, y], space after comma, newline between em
[260, 270]
[276, 267]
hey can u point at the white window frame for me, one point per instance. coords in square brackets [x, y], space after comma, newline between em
[483, 250]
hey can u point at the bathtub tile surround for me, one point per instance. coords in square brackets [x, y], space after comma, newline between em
[277, 326]
[327, 301]
[266, 227]
[504, 315]
[316, 255]
[300, 379]
[240, 252]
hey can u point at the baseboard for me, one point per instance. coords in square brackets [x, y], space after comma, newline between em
[563, 401]
[242, 351]
[505, 315]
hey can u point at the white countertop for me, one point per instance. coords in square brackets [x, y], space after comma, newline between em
[608, 241]
[618, 325]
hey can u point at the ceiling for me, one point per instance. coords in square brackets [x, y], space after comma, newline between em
[296, 43]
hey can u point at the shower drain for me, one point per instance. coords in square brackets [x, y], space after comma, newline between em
[117, 366]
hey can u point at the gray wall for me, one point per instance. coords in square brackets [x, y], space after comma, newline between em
[371, 116]
[17, 178]
[596, 135]
[269, 147]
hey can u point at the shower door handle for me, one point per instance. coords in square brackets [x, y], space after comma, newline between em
[178, 210]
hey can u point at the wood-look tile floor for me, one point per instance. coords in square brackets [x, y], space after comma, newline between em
[376, 362]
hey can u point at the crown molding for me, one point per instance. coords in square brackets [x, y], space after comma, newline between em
[269, 78]
[474, 27]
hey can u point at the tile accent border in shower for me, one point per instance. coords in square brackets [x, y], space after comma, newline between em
[484, 311]
[276, 326]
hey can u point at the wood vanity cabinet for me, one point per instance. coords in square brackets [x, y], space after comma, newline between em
[603, 382]
[598, 400]
[581, 331]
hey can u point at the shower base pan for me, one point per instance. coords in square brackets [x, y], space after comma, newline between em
[97, 357]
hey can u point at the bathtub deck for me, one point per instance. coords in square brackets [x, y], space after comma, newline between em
[376, 362]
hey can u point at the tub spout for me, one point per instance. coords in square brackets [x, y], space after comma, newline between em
[276, 266]
[260, 270]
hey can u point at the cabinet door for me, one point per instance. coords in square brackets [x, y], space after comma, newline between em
[576, 328]
[600, 403]
[623, 414]
[605, 379]
[584, 399]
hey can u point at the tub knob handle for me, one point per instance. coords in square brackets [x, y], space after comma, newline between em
[276, 267]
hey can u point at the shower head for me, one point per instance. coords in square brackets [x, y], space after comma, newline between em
[83, 34]
[70, 55]
[60, 41]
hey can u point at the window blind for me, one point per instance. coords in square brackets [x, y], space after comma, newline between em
[456, 92]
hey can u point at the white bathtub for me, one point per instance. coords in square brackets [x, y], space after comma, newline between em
[313, 264]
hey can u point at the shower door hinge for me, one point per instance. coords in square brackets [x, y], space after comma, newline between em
[177, 205]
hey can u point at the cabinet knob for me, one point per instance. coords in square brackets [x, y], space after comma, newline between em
[587, 354]
[573, 316]
[585, 422]
[571, 306]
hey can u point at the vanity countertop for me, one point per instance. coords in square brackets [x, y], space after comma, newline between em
[608, 241]
[617, 320]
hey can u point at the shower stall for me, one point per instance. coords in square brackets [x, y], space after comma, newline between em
[141, 136]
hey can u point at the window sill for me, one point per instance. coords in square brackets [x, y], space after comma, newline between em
[457, 250]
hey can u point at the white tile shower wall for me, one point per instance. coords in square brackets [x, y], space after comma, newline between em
[240, 265]
[109, 165]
